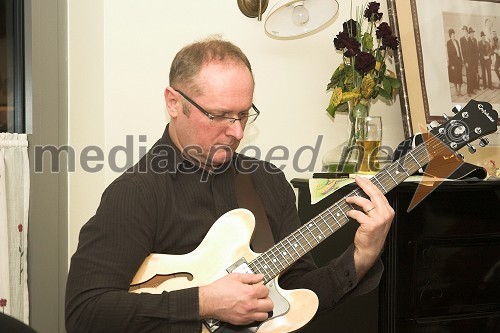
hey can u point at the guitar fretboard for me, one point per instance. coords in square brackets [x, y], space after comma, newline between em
[290, 249]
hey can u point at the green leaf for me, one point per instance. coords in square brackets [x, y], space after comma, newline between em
[343, 107]
[395, 83]
[331, 110]
[367, 42]
[333, 83]
[337, 77]
[384, 93]
[386, 83]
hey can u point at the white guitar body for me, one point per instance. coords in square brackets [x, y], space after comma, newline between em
[225, 244]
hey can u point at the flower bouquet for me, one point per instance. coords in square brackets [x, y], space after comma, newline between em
[366, 44]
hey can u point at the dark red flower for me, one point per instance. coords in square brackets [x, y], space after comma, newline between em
[383, 30]
[350, 27]
[344, 41]
[20, 228]
[371, 12]
[340, 40]
[352, 47]
[364, 62]
[390, 42]
[3, 302]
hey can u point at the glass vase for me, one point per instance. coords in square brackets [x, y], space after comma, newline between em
[346, 157]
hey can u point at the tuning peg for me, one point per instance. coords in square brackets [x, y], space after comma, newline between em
[483, 142]
[456, 109]
[460, 155]
[445, 116]
[433, 124]
[472, 149]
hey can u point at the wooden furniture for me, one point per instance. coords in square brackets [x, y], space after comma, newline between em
[442, 262]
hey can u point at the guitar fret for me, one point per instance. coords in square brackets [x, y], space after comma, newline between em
[339, 210]
[411, 155]
[262, 269]
[322, 236]
[356, 192]
[337, 221]
[275, 258]
[343, 213]
[300, 243]
[300, 231]
[375, 178]
[284, 254]
[272, 261]
[398, 166]
[326, 222]
[293, 247]
[394, 180]
[267, 265]
[310, 232]
[266, 269]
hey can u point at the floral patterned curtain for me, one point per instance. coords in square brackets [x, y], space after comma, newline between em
[14, 204]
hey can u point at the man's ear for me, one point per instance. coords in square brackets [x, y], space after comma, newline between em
[173, 102]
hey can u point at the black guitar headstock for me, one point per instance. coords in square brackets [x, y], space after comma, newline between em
[470, 123]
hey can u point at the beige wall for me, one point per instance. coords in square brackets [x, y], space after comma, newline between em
[119, 52]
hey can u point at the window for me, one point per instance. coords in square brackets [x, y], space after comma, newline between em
[12, 103]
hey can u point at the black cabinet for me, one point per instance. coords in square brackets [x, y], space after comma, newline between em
[442, 262]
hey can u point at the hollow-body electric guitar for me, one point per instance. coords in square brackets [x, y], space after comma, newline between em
[294, 308]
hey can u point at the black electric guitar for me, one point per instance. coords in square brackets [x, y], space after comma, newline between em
[226, 247]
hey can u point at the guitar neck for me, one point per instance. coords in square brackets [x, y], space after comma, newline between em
[290, 249]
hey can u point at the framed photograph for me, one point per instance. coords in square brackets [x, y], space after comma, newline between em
[448, 56]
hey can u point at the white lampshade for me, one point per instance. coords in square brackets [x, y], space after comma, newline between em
[289, 19]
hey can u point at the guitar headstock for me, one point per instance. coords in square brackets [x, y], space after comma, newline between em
[470, 123]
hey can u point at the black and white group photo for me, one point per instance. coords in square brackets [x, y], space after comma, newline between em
[473, 57]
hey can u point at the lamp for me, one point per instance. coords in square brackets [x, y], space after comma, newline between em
[290, 19]
[253, 8]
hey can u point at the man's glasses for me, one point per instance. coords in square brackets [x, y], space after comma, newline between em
[223, 121]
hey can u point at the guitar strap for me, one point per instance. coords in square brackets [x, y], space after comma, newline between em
[248, 198]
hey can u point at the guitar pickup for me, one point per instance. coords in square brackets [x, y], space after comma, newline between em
[241, 266]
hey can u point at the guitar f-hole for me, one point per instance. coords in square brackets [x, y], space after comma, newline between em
[156, 280]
